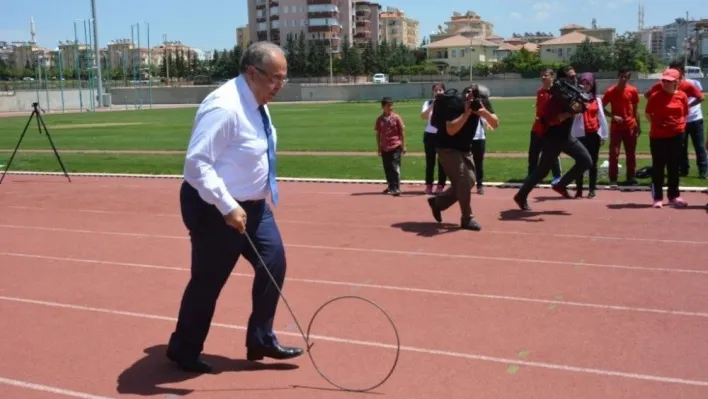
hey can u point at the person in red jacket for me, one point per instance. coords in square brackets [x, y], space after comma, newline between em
[537, 130]
[666, 111]
[623, 99]
[590, 128]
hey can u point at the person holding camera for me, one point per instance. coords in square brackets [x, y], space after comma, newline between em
[457, 120]
[557, 120]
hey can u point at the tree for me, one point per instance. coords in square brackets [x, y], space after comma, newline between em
[591, 57]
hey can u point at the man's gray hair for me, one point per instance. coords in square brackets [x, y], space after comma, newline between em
[258, 54]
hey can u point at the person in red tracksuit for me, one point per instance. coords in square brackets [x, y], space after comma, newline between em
[623, 98]
[667, 110]
[537, 130]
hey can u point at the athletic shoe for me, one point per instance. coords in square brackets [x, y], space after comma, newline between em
[678, 202]
[658, 204]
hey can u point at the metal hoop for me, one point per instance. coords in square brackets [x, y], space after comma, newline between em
[395, 330]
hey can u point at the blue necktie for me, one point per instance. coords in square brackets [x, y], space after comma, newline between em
[273, 184]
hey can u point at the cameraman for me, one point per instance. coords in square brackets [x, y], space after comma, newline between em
[557, 119]
[457, 127]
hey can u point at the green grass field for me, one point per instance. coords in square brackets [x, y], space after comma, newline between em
[301, 127]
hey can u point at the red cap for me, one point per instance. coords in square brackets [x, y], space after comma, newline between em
[671, 75]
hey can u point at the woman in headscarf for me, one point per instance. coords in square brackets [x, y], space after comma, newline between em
[590, 127]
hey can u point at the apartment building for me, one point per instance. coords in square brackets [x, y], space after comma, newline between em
[367, 24]
[607, 35]
[469, 24]
[243, 36]
[653, 39]
[322, 21]
[397, 28]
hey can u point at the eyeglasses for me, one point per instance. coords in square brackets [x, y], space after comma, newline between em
[274, 80]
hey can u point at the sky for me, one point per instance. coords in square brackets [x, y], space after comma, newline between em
[211, 24]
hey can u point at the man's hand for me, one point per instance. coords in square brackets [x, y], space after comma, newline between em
[576, 107]
[237, 219]
[617, 119]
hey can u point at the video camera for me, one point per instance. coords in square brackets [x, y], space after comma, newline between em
[569, 93]
[451, 104]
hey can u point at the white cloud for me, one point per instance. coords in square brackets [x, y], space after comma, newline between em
[515, 15]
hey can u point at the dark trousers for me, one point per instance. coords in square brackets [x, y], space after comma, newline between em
[459, 167]
[478, 148]
[694, 130]
[535, 146]
[216, 247]
[591, 142]
[392, 167]
[552, 148]
[666, 155]
[431, 160]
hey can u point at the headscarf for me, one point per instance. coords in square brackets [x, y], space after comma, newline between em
[590, 78]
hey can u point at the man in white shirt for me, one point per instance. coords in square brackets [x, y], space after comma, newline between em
[694, 133]
[229, 171]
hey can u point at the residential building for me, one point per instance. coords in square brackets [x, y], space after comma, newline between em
[509, 46]
[243, 36]
[561, 49]
[674, 38]
[468, 23]
[322, 21]
[653, 39]
[398, 29]
[461, 51]
[607, 35]
[29, 53]
[366, 25]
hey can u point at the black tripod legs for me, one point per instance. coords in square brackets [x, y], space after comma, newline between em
[40, 125]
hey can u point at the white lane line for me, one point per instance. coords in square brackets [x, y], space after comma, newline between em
[376, 226]
[379, 287]
[49, 389]
[382, 251]
[459, 355]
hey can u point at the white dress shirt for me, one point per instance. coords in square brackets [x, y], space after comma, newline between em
[695, 113]
[227, 156]
[429, 128]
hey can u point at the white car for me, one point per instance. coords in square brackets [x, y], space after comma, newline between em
[693, 72]
[380, 78]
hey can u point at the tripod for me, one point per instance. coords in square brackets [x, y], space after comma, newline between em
[40, 125]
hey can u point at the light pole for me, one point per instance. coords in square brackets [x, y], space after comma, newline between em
[98, 55]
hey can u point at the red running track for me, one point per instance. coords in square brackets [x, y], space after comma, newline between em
[600, 298]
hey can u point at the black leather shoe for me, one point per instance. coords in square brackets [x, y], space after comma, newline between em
[192, 365]
[276, 352]
[437, 215]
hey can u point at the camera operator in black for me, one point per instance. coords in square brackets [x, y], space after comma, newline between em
[456, 129]
[557, 118]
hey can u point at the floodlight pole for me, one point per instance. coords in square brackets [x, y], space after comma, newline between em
[98, 54]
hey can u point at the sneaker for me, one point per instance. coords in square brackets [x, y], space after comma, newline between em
[480, 190]
[613, 183]
[429, 189]
[440, 188]
[555, 181]
[591, 194]
[658, 204]
[678, 202]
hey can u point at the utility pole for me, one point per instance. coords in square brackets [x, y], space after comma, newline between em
[97, 55]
